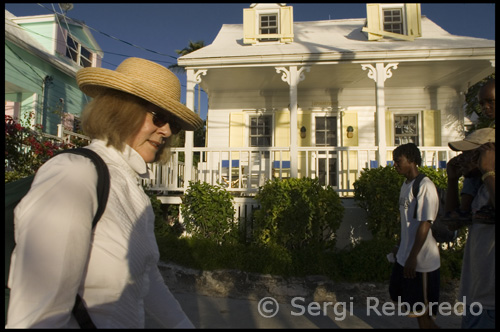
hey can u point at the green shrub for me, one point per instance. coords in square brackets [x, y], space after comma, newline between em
[208, 212]
[296, 213]
[439, 176]
[367, 261]
[377, 192]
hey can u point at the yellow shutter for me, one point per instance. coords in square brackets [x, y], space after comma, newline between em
[413, 19]
[389, 128]
[236, 130]
[282, 133]
[249, 30]
[286, 24]
[373, 20]
[431, 127]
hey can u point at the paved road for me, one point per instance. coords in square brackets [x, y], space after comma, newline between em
[216, 312]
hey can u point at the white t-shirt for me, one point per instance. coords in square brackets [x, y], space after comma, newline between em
[428, 206]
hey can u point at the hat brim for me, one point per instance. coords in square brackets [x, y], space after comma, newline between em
[92, 81]
[463, 146]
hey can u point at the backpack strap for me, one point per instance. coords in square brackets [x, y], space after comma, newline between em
[79, 310]
[415, 189]
[102, 179]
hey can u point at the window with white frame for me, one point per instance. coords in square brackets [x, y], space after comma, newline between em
[261, 130]
[268, 24]
[405, 129]
[79, 54]
[326, 131]
[393, 20]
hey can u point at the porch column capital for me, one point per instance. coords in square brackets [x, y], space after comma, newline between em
[197, 75]
[379, 73]
[286, 77]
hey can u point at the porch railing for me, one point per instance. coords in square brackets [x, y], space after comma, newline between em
[244, 170]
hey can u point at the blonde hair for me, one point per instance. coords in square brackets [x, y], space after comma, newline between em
[115, 116]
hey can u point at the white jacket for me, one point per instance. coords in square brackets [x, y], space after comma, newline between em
[115, 270]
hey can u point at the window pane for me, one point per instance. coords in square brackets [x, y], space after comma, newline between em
[268, 25]
[405, 129]
[326, 131]
[261, 130]
[331, 138]
[320, 138]
[393, 21]
[85, 53]
[320, 123]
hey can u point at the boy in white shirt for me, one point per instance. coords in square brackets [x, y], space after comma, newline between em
[415, 277]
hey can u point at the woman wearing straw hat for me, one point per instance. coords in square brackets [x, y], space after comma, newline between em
[135, 110]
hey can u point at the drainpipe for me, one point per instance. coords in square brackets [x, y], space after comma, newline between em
[45, 95]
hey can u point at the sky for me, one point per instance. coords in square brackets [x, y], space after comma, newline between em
[155, 31]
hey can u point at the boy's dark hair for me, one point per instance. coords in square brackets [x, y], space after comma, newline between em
[410, 151]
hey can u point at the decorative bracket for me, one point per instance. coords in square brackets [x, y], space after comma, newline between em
[286, 74]
[373, 74]
[197, 75]
[285, 77]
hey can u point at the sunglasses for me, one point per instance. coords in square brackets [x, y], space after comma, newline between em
[161, 119]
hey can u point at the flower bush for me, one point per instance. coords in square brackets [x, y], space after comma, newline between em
[26, 149]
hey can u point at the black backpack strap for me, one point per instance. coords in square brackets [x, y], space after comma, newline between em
[102, 179]
[79, 310]
[415, 189]
[81, 314]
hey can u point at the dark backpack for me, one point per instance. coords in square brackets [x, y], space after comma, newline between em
[440, 231]
[15, 191]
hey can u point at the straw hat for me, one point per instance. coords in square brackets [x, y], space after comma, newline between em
[474, 140]
[145, 79]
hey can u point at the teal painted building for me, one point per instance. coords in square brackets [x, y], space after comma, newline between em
[42, 55]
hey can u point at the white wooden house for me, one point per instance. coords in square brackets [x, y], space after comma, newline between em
[326, 98]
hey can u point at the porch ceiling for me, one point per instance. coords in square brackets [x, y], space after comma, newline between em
[455, 73]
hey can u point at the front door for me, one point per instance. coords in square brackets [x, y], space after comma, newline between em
[326, 135]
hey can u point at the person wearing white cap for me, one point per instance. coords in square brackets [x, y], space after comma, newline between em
[477, 282]
[135, 110]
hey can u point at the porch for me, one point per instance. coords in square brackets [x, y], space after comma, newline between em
[243, 170]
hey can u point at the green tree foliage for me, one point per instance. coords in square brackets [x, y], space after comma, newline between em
[208, 212]
[297, 213]
[192, 46]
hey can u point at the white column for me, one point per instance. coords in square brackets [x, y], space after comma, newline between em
[192, 79]
[379, 74]
[293, 76]
[189, 138]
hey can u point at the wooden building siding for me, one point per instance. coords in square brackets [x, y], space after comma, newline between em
[42, 32]
[357, 109]
[30, 82]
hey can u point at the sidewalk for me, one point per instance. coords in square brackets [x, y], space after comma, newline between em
[219, 312]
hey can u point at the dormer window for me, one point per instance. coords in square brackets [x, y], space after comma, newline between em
[393, 20]
[79, 54]
[268, 25]
[398, 21]
[267, 22]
